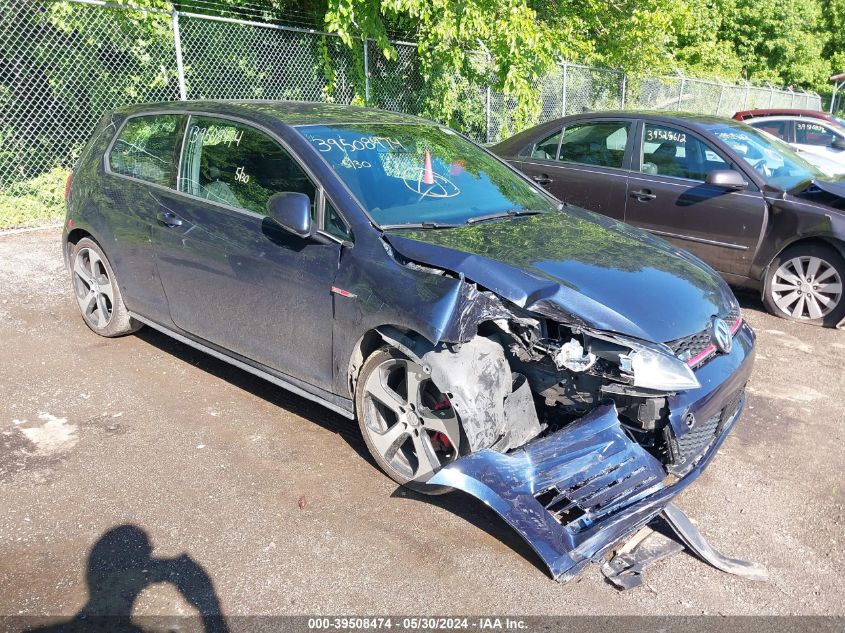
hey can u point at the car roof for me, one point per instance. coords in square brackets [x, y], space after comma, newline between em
[783, 117]
[293, 113]
[782, 111]
[690, 119]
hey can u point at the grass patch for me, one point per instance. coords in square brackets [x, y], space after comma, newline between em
[35, 202]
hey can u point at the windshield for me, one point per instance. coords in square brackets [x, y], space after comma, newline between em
[770, 157]
[416, 173]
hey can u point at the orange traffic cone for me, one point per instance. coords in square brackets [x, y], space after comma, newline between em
[428, 173]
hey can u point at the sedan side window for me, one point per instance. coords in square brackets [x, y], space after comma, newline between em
[813, 134]
[668, 151]
[234, 164]
[547, 148]
[146, 149]
[775, 128]
[599, 143]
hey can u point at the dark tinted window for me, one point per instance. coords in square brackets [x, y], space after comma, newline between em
[146, 149]
[597, 143]
[775, 128]
[812, 134]
[669, 151]
[235, 164]
[547, 148]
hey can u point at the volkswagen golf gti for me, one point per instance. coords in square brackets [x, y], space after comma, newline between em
[571, 371]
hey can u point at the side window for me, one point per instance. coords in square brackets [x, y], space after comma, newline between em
[334, 224]
[547, 148]
[599, 143]
[146, 149]
[668, 151]
[232, 163]
[775, 128]
[813, 134]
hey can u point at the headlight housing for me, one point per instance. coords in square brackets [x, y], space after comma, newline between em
[656, 369]
[647, 365]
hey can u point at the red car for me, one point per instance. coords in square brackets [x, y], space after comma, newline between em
[814, 114]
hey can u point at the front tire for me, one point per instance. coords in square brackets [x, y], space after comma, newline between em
[408, 424]
[97, 292]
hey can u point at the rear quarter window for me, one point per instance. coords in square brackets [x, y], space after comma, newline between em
[146, 148]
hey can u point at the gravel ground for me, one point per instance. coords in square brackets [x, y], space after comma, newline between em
[275, 498]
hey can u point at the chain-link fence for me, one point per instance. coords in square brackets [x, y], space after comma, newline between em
[64, 64]
[713, 97]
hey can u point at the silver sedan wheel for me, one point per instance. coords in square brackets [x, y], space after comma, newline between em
[806, 287]
[411, 424]
[93, 288]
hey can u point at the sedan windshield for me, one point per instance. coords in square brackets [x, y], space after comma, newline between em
[770, 157]
[418, 174]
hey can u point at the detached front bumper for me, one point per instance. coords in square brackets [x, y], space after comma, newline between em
[574, 494]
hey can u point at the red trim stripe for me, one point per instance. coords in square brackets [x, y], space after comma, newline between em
[710, 349]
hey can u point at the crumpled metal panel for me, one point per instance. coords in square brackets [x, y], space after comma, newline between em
[564, 493]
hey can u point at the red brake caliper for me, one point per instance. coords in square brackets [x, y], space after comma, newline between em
[438, 439]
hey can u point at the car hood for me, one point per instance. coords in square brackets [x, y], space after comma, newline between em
[579, 267]
[833, 187]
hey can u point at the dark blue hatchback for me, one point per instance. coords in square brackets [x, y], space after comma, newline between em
[569, 370]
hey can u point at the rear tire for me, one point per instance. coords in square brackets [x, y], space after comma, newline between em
[805, 283]
[97, 292]
[402, 416]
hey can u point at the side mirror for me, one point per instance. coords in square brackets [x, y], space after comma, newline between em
[292, 211]
[727, 179]
[838, 143]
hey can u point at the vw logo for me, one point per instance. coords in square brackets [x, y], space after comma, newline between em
[721, 336]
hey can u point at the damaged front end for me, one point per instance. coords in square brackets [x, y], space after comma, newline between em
[578, 437]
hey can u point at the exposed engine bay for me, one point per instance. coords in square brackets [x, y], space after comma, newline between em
[570, 429]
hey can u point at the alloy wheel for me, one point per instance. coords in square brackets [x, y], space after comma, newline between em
[408, 421]
[806, 287]
[93, 288]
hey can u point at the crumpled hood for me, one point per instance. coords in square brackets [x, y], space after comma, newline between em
[833, 187]
[579, 266]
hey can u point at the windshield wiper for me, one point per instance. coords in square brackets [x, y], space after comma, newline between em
[512, 213]
[420, 225]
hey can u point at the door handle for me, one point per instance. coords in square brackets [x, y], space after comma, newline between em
[542, 180]
[169, 219]
[643, 195]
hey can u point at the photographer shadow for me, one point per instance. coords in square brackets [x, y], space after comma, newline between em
[120, 566]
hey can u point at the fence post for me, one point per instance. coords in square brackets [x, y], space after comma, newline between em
[180, 69]
[366, 73]
[721, 96]
[563, 88]
[681, 91]
[624, 90]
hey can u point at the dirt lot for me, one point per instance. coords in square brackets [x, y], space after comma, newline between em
[275, 498]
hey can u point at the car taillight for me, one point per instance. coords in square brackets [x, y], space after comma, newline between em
[67, 186]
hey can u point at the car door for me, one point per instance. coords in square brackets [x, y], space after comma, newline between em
[817, 138]
[584, 163]
[143, 157]
[233, 276]
[668, 196]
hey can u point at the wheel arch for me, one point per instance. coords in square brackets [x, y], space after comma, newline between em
[404, 339]
[72, 239]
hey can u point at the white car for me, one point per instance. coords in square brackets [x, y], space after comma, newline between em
[819, 142]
